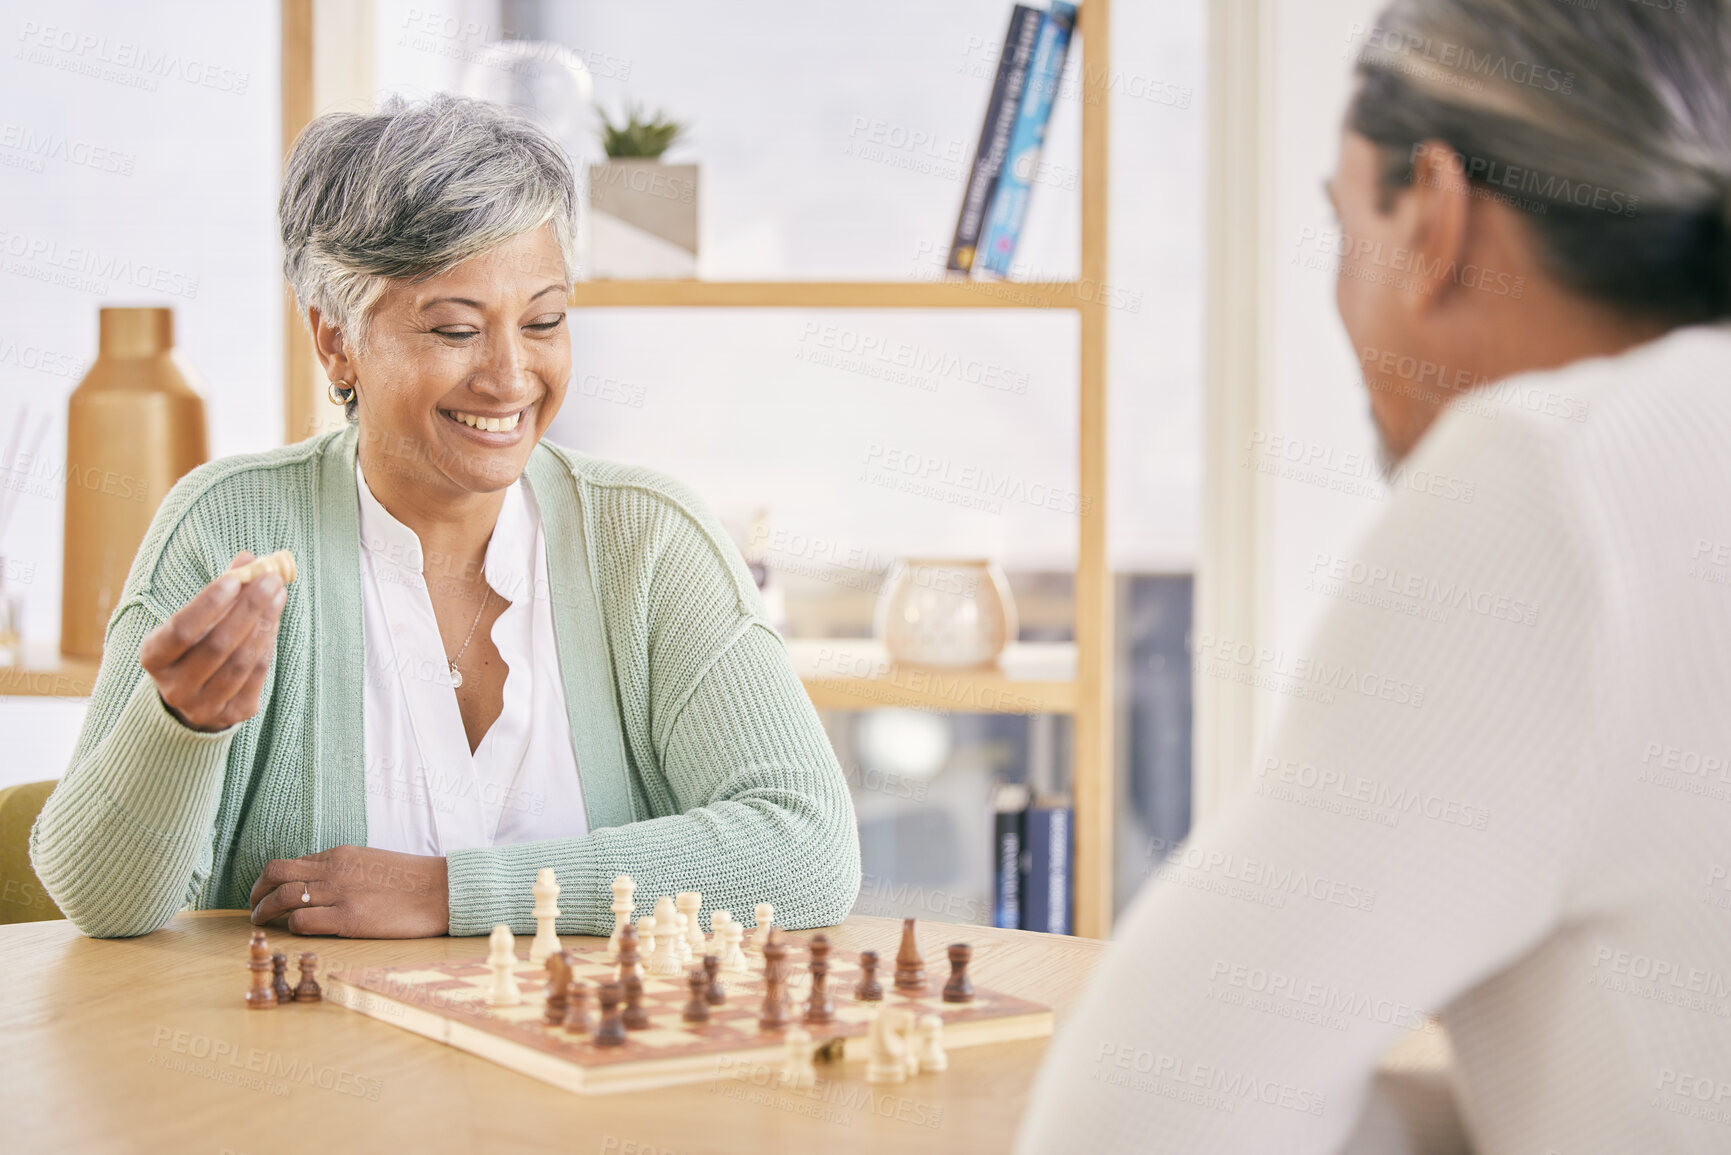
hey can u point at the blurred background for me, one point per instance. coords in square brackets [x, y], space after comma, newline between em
[140, 154]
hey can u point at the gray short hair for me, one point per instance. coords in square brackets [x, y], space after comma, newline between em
[409, 192]
[1608, 124]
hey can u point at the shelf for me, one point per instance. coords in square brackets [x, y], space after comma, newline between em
[910, 294]
[46, 674]
[857, 674]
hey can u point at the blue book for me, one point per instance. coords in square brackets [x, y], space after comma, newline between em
[1009, 805]
[1006, 100]
[1046, 883]
[1010, 203]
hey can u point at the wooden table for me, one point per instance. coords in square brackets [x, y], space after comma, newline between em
[144, 1045]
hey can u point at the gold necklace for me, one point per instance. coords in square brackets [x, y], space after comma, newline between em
[456, 674]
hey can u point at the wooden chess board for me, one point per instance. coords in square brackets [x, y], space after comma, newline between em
[446, 1001]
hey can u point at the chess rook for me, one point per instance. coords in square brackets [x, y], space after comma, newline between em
[910, 967]
[959, 989]
[259, 995]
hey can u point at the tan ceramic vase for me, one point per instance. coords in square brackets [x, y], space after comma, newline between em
[134, 427]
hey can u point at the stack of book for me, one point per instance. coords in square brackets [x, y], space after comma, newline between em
[1032, 843]
[995, 199]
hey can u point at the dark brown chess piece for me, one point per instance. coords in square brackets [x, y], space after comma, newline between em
[308, 991]
[910, 967]
[628, 960]
[259, 995]
[959, 989]
[774, 1014]
[868, 989]
[819, 1009]
[279, 984]
[634, 1017]
[558, 978]
[713, 994]
[697, 1010]
[611, 1032]
[576, 1007]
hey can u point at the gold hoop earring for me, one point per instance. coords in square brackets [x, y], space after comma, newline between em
[342, 392]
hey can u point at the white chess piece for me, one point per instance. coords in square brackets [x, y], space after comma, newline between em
[798, 1073]
[690, 904]
[932, 1054]
[760, 934]
[910, 1041]
[546, 912]
[502, 961]
[624, 888]
[645, 936]
[664, 960]
[682, 945]
[734, 961]
[717, 944]
[885, 1061]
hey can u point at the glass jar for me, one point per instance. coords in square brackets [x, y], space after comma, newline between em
[956, 613]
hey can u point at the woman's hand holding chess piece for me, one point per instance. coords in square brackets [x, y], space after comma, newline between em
[356, 892]
[209, 659]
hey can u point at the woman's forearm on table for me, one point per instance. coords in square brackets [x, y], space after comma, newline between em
[124, 841]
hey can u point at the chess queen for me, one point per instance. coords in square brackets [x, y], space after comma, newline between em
[494, 654]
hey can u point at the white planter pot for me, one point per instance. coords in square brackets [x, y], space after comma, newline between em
[642, 220]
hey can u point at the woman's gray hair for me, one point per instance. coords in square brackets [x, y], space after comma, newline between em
[1607, 123]
[409, 192]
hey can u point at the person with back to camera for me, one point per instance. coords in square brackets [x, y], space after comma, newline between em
[1513, 813]
[497, 656]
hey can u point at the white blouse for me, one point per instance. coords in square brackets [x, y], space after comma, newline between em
[426, 793]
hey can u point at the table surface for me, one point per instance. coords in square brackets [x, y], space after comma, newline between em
[145, 1045]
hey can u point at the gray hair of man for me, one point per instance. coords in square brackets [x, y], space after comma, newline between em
[409, 192]
[1608, 125]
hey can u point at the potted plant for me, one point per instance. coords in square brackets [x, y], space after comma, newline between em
[642, 212]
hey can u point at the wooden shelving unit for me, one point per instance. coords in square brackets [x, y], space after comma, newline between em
[1072, 679]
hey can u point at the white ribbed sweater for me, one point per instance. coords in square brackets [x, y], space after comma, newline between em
[1509, 806]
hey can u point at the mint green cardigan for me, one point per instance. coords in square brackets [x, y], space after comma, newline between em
[703, 764]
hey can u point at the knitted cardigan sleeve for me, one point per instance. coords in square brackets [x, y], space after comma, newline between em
[124, 841]
[746, 801]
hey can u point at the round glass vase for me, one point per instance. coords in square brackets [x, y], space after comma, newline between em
[954, 613]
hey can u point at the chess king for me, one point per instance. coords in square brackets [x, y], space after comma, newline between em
[492, 654]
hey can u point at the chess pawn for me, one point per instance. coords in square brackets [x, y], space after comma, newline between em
[279, 984]
[735, 961]
[690, 904]
[260, 994]
[664, 958]
[868, 989]
[697, 1009]
[576, 1020]
[546, 914]
[885, 1061]
[623, 904]
[932, 1054]
[502, 961]
[646, 935]
[634, 1017]
[611, 1032]
[712, 992]
[308, 991]
[959, 989]
[558, 979]
[765, 913]
[629, 961]
[910, 967]
[681, 943]
[797, 1072]
[819, 1009]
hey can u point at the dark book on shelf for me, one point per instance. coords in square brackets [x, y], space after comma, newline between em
[1047, 858]
[1001, 110]
[1009, 804]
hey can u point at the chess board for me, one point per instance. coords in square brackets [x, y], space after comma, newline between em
[446, 1001]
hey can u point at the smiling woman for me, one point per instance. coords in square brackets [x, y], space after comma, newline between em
[500, 655]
